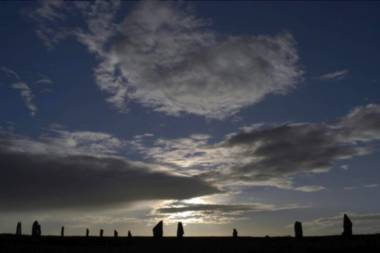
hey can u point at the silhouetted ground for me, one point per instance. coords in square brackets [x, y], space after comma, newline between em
[364, 243]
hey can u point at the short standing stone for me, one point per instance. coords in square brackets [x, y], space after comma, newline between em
[180, 230]
[298, 230]
[347, 226]
[158, 230]
[234, 233]
[129, 234]
[115, 233]
[101, 232]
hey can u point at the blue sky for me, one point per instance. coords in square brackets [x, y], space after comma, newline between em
[269, 110]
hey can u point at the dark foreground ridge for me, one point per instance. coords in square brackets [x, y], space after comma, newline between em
[94, 244]
[347, 242]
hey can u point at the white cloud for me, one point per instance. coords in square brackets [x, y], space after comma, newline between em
[336, 75]
[166, 58]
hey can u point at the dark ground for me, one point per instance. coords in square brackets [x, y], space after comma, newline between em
[357, 243]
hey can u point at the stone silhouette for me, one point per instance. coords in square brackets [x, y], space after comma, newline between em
[36, 229]
[62, 231]
[87, 232]
[180, 231]
[298, 230]
[129, 234]
[347, 226]
[234, 233]
[101, 232]
[18, 228]
[158, 230]
[115, 233]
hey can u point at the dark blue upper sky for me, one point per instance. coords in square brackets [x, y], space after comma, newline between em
[211, 68]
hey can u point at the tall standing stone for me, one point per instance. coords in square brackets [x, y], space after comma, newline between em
[62, 231]
[347, 226]
[180, 230]
[18, 228]
[129, 234]
[158, 230]
[87, 232]
[298, 230]
[101, 232]
[36, 229]
[115, 233]
[234, 233]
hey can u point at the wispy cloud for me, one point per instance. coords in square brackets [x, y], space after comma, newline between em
[336, 75]
[25, 91]
[27, 96]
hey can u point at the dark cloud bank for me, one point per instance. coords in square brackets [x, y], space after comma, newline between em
[32, 181]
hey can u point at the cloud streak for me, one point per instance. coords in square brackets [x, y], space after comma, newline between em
[336, 75]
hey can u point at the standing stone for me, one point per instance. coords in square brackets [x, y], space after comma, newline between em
[115, 233]
[158, 230]
[101, 232]
[234, 233]
[129, 234]
[298, 230]
[347, 226]
[18, 228]
[180, 231]
[62, 231]
[36, 229]
[87, 232]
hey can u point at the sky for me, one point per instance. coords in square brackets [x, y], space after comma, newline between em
[221, 115]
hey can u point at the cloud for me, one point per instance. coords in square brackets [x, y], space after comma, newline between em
[10, 73]
[27, 96]
[36, 175]
[214, 213]
[270, 155]
[25, 91]
[362, 124]
[361, 187]
[336, 75]
[178, 66]
[256, 207]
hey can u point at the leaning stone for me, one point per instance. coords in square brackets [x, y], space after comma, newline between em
[347, 226]
[158, 230]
